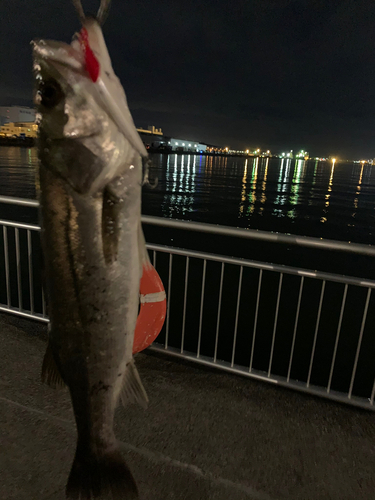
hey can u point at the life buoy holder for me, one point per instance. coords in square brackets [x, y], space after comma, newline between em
[153, 306]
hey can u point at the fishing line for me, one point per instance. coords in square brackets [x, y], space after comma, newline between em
[102, 14]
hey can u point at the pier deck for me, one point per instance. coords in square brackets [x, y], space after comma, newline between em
[206, 435]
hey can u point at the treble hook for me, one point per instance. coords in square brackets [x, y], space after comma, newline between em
[102, 14]
[103, 11]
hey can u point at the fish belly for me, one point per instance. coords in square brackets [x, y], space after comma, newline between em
[92, 304]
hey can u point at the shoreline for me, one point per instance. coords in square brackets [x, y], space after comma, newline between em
[25, 142]
[30, 142]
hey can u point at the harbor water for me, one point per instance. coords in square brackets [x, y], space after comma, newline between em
[309, 198]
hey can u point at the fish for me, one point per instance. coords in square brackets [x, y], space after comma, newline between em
[90, 178]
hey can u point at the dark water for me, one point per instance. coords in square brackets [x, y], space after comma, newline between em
[290, 196]
[17, 171]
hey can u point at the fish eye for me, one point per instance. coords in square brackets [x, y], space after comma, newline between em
[50, 94]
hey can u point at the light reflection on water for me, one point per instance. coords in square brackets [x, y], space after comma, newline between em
[180, 185]
[17, 171]
[296, 196]
[292, 196]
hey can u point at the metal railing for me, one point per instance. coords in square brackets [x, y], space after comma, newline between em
[298, 328]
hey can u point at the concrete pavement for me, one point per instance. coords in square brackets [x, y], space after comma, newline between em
[207, 435]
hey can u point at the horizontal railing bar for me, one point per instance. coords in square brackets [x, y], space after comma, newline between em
[20, 225]
[24, 314]
[232, 260]
[350, 280]
[9, 200]
[256, 234]
[238, 370]
[208, 362]
[275, 379]
[253, 234]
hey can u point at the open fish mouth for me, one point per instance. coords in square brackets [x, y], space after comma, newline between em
[62, 53]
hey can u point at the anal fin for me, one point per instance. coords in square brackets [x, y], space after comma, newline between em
[132, 388]
[50, 373]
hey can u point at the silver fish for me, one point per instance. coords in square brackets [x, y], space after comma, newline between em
[90, 179]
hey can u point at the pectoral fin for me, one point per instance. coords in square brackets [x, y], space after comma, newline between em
[132, 388]
[50, 373]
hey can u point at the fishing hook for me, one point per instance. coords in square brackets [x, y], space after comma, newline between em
[102, 14]
[78, 6]
[103, 11]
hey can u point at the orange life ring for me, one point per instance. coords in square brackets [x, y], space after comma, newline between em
[153, 305]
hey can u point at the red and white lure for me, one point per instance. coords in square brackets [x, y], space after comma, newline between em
[91, 62]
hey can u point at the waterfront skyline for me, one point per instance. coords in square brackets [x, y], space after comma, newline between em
[274, 73]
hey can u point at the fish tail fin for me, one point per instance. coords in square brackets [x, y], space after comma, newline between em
[104, 476]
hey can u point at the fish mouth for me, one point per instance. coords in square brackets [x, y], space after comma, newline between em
[50, 51]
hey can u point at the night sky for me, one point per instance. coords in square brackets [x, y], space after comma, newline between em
[273, 74]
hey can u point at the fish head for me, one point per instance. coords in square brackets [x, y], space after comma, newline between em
[86, 132]
[63, 94]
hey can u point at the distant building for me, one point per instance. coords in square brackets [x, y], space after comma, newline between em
[11, 114]
[150, 130]
[19, 129]
[185, 145]
[287, 155]
[303, 154]
[153, 138]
